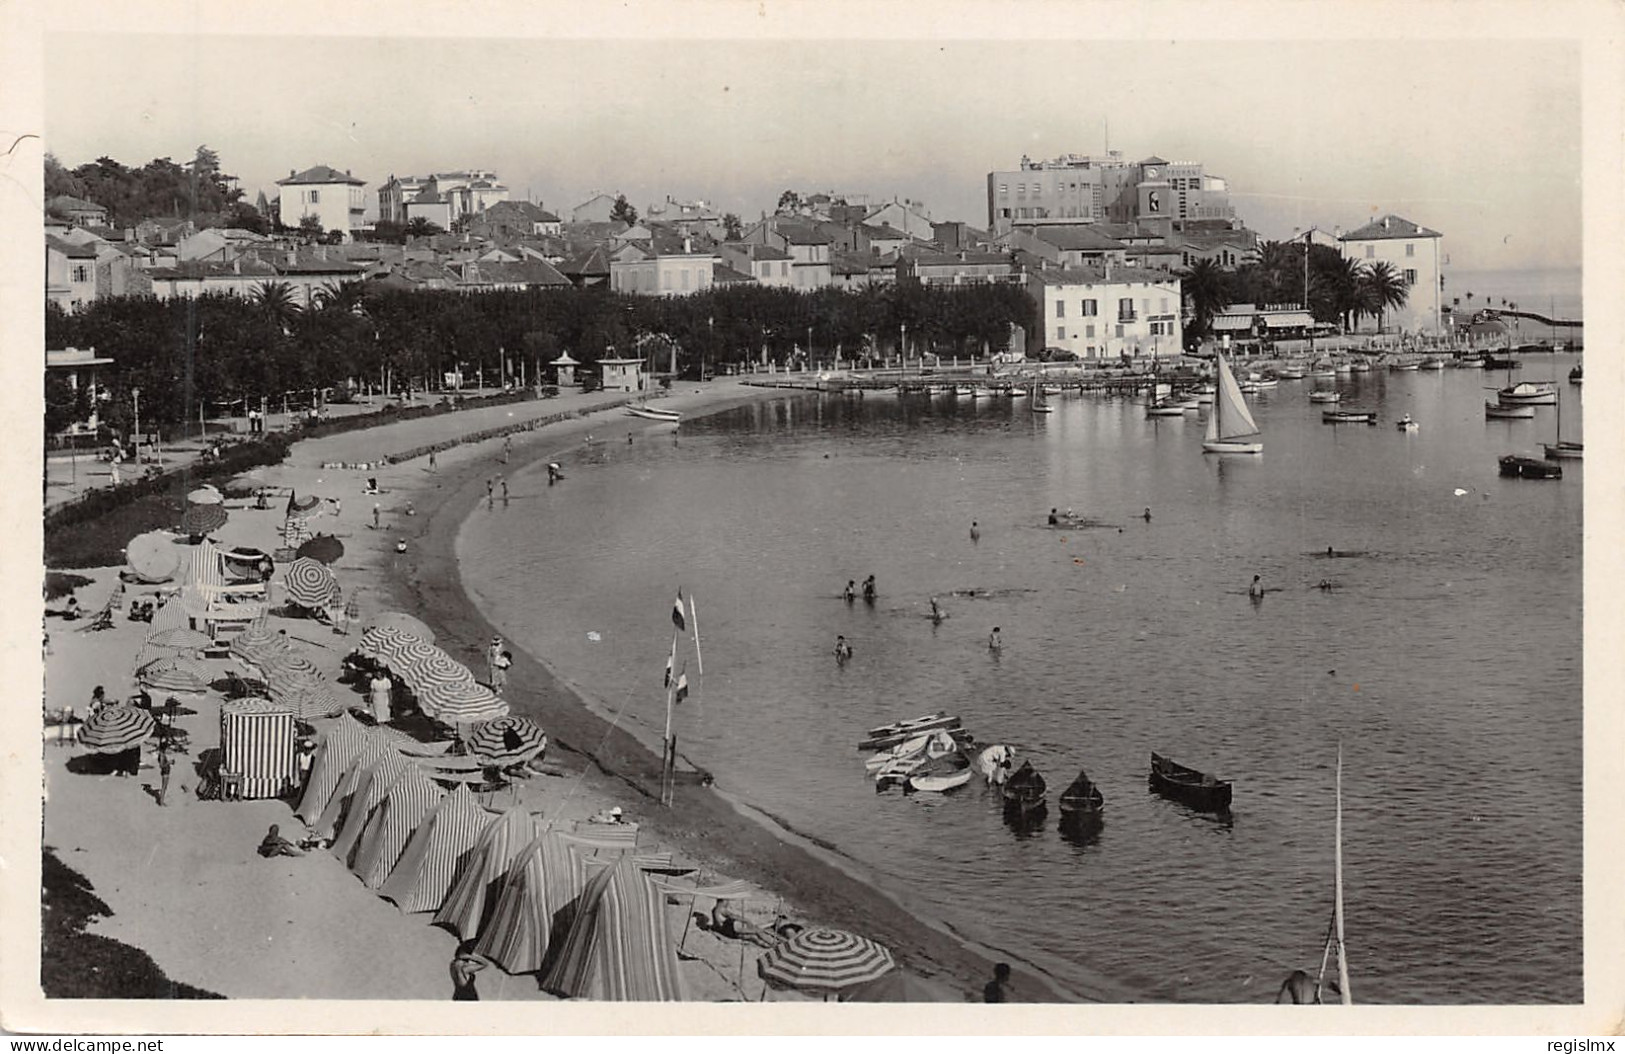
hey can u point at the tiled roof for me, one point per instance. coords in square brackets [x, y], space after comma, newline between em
[1389, 226]
[244, 267]
[320, 174]
[528, 272]
[1078, 238]
[884, 232]
[798, 235]
[849, 264]
[758, 251]
[939, 259]
[722, 274]
[70, 249]
[1153, 160]
[593, 262]
[1097, 276]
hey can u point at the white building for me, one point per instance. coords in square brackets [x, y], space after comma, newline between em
[663, 265]
[1108, 313]
[1416, 255]
[335, 198]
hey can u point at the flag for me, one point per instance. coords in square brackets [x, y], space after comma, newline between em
[677, 613]
[682, 687]
[671, 661]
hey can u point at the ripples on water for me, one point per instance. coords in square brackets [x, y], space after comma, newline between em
[1446, 661]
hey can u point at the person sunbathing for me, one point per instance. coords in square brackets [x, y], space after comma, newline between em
[276, 845]
[729, 923]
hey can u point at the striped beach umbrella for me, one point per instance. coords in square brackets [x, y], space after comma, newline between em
[115, 729]
[425, 673]
[153, 556]
[824, 960]
[461, 704]
[206, 569]
[207, 494]
[410, 800]
[308, 697]
[185, 639]
[309, 583]
[257, 742]
[203, 519]
[437, 852]
[304, 504]
[508, 741]
[401, 622]
[384, 645]
[257, 644]
[480, 884]
[338, 749]
[174, 674]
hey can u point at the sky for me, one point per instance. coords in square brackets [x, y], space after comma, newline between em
[1479, 139]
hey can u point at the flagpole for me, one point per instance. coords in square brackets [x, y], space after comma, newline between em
[699, 661]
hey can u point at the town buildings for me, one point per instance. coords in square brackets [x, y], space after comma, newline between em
[1076, 188]
[1108, 312]
[443, 198]
[335, 198]
[1416, 255]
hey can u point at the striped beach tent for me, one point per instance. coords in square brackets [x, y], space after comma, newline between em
[338, 806]
[340, 747]
[617, 947]
[172, 614]
[541, 882]
[478, 888]
[410, 800]
[369, 794]
[257, 742]
[437, 852]
[206, 569]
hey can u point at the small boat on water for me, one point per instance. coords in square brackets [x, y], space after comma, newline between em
[651, 413]
[1290, 373]
[1434, 362]
[1204, 395]
[891, 735]
[1560, 448]
[1325, 395]
[1165, 408]
[1196, 789]
[1052, 389]
[1230, 425]
[1576, 375]
[1499, 412]
[965, 390]
[1401, 367]
[940, 774]
[1494, 362]
[1024, 790]
[1349, 417]
[1469, 362]
[1528, 393]
[1263, 384]
[1405, 424]
[1082, 798]
[1529, 468]
[1360, 366]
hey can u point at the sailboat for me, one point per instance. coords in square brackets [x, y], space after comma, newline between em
[1335, 936]
[1563, 448]
[1230, 425]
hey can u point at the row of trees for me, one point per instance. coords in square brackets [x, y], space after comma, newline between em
[1341, 290]
[220, 349]
[196, 190]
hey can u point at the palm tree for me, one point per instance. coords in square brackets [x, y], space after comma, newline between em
[1204, 287]
[341, 296]
[276, 300]
[1382, 288]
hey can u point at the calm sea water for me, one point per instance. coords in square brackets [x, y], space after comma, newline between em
[1447, 663]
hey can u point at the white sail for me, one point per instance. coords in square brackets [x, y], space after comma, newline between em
[1230, 418]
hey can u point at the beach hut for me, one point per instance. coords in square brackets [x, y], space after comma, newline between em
[517, 934]
[479, 887]
[370, 792]
[622, 375]
[565, 370]
[617, 946]
[333, 816]
[437, 852]
[409, 803]
[339, 748]
[257, 744]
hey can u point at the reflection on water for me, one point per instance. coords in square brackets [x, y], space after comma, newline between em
[1445, 660]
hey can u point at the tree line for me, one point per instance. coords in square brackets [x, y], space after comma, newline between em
[220, 350]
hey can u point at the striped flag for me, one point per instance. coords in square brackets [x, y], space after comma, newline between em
[682, 687]
[677, 613]
[671, 662]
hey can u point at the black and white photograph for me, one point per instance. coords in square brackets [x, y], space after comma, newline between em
[1073, 505]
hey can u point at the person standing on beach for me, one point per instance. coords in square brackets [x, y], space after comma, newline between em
[380, 688]
[975, 532]
[463, 968]
[507, 448]
[493, 655]
[431, 461]
[499, 671]
[164, 765]
[997, 990]
[490, 494]
[377, 515]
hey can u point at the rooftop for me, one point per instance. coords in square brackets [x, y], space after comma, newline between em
[1097, 276]
[1389, 226]
[320, 174]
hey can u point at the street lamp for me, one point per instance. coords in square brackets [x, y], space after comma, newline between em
[135, 394]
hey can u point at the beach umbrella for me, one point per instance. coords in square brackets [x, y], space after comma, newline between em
[257, 643]
[384, 645]
[201, 519]
[461, 704]
[153, 556]
[508, 741]
[824, 960]
[309, 583]
[180, 637]
[324, 548]
[174, 674]
[206, 495]
[115, 729]
[304, 504]
[401, 622]
[430, 672]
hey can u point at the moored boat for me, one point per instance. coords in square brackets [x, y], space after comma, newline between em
[1024, 791]
[1564, 449]
[940, 774]
[651, 413]
[1529, 468]
[890, 735]
[1196, 789]
[1082, 797]
[1165, 408]
[1500, 362]
[1508, 413]
[1434, 362]
[1528, 393]
[1325, 395]
[1349, 417]
[1230, 425]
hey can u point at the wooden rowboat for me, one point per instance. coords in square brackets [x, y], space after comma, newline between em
[1196, 789]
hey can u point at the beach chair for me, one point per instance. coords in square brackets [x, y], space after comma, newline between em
[231, 786]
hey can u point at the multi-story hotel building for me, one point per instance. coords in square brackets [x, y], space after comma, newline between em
[1158, 195]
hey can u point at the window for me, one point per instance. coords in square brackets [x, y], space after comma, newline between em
[1162, 307]
[784, 268]
[665, 280]
[1060, 332]
[1125, 311]
[1370, 251]
[81, 273]
[1089, 331]
[1060, 309]
[315, 197]
[1004, 188]
[1410, 248]
[1091, 308]
[1119, 331]
[1410, 276]
[685, 278]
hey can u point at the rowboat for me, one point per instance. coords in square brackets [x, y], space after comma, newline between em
[1514, 412]
[1405, 424]
[1324, 395]
[1528, 393]
[651, 413]
[1290, 373]
[1165, 408]
[1508, 363]
[940, 774]
[1230, 425]
[1082, 797]
[1529, 468]
[891, 735]
[1196, 789]
[1024, 790]
[1349, 417]
[1433, 362]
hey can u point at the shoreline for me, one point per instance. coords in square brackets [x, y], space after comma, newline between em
[704, 822]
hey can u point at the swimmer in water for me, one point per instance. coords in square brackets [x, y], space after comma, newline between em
[1053, 518]
[994, 641]
[936, 612]
[850, 593]
[1256, 590]
[975, 532]
[843, 650]
[1146, 515]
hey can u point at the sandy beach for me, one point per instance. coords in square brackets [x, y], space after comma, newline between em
[184, 882]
